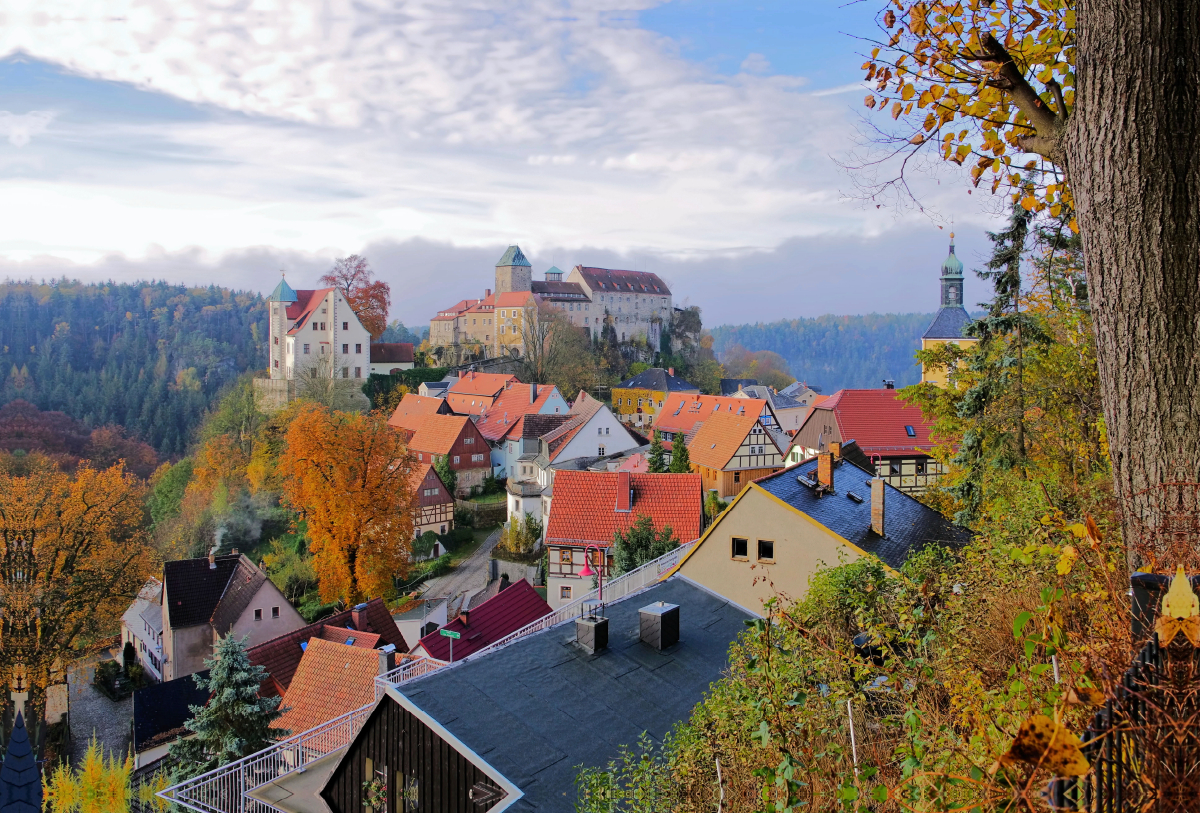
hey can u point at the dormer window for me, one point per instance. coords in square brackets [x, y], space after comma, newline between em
[912, 433]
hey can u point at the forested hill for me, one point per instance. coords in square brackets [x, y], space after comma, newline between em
[833, 352]
[150, 357]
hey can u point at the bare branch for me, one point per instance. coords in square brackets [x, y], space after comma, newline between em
[1048, 140]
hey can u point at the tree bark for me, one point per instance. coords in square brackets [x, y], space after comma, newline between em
[1133, 159]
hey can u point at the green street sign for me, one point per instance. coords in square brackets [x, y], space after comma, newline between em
[450, 634]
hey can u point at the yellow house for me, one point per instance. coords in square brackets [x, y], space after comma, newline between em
[947, 326]
[637, 400]
[821, 513]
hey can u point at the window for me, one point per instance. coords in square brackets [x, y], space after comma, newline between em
[358, 372]
[920, 468]
[345, 325]
[564, 556]
[276, 340]
[456, 459]
[476, 458]
[345, 349]
[766, 550]
[640, 401]
[276, 364]
[274, 612]
[502, 330]
[468, 441]
[358, 348]
[258, 615]
[433, 492]
[600, 451]
[345, 372]
[737, 477]
[306, 349]
[908, 430]
[564, 592]
[739, 549]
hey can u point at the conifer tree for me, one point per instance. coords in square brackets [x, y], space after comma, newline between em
[641, 543]
[449, 476]
[236, 722]
[680, 462]
[658, 462]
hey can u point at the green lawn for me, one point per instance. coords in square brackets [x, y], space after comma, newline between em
[490, 499]
[464, 552]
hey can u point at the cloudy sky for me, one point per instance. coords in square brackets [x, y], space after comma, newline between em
[223, 141]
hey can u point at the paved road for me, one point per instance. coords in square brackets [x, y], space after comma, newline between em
[93, 713]
[469, 576]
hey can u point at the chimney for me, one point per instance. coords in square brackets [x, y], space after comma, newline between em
[659, 625]
[212, 561]
[835, 449]
[387, 658]
[825, 469]
[465, 617]
[235, 551]
[591, 633]
[487, 292]
[671, 371]
[358, 617]
[532, 393]
[877, 513]
[624, 493]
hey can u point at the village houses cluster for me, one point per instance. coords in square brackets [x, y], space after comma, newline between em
[475, 700]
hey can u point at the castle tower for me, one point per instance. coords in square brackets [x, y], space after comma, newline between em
[278, 302]
[951, 319]
[513, 272]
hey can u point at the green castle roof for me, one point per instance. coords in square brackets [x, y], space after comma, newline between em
[952, 266]
[282, 293]
[513, 257]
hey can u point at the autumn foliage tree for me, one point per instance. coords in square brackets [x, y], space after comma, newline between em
[348, 476]
[368, 297]
[74, 553]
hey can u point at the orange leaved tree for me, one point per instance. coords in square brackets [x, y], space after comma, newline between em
[348, 476]
[369, 298]
[74, 552]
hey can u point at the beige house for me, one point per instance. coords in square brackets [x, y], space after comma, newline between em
[204, 600]
[824, 512]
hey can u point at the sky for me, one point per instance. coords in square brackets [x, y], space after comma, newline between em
[705, 140]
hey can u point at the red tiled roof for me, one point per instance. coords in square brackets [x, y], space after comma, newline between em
[513, 299]
[681, 410]
[629, 282]
[306, 302]
[331, 680]
[513, 404]
[391, 352]
[413, 409]
[280, 656]
[452, 312]
[637, 463]
[876, 420]
[582, 411]
[349, 637]
[438, 433]
[490, 384]
[495, 618]
[584, 507]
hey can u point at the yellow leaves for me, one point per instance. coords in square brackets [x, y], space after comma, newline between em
[100, 785]
[919, 138]
[1085, 696]
[869, 101]
[930, 123]
[1029, 203]
[889, 18]
[907, 92]
[1047, 743]
[1067, 560]
[897, 108]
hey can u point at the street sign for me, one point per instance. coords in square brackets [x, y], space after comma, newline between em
[450, 634]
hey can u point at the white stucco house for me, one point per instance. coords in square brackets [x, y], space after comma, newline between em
[142, 626]
[315, 330]
[503, 423]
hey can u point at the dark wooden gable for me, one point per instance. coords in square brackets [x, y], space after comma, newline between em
[408, 753]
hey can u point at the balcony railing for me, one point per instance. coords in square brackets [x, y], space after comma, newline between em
[406, 672]
[224, 789]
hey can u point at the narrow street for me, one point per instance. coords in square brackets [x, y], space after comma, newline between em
[93, 713]
[470, 575]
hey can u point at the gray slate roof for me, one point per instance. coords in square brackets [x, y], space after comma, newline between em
[194, 589]
[908, 525]
[541, 707]
[947, 324]
[731, 385]
[20, 779]
[657, 379]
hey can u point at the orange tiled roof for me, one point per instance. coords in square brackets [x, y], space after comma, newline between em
[514, 299]
[490, 384]
[512, 405]
[682, 410]
[437, 433]
[306, 303]
[412, 409]
[332, 679]
[584, 509]
[719, 437]
[349, 637]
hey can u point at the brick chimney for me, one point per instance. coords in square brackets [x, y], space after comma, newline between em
[387, 658]
[624, 493]
[877, 512]
[671, 371]
[487, 292]
[825, 469]
[835, 449]
[358, 616]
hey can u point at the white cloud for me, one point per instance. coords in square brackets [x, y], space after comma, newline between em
[21, 128]
[756, 63]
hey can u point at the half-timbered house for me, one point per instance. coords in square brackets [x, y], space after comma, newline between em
[729, 450]
[454, 437]
[435, 501]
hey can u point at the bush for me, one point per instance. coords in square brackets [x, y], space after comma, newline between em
[423, 544]
[458, 536]
[464, 518]
[110, 679]
[521, 536]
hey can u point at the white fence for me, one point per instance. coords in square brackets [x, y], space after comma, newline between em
[224, 789]
[405, 672]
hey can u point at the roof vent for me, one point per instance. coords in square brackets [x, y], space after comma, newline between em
[805, 481]
[659, 625]
[854, 497]
[591, 633]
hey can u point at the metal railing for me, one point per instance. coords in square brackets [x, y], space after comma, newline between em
[627, 584]
[224, 789]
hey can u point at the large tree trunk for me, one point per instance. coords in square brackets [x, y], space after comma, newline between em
[1133, 159]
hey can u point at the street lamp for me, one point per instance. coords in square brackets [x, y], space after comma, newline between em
[587, 571]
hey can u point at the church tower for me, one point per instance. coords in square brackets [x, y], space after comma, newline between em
[278, 302]
[513, 272]
[951, 319]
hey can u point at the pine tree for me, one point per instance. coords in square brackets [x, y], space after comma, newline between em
[680, 462]
[658, 463]
[236, 722]
[641, 543]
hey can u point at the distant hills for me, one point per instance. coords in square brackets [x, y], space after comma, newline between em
[836, 352]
